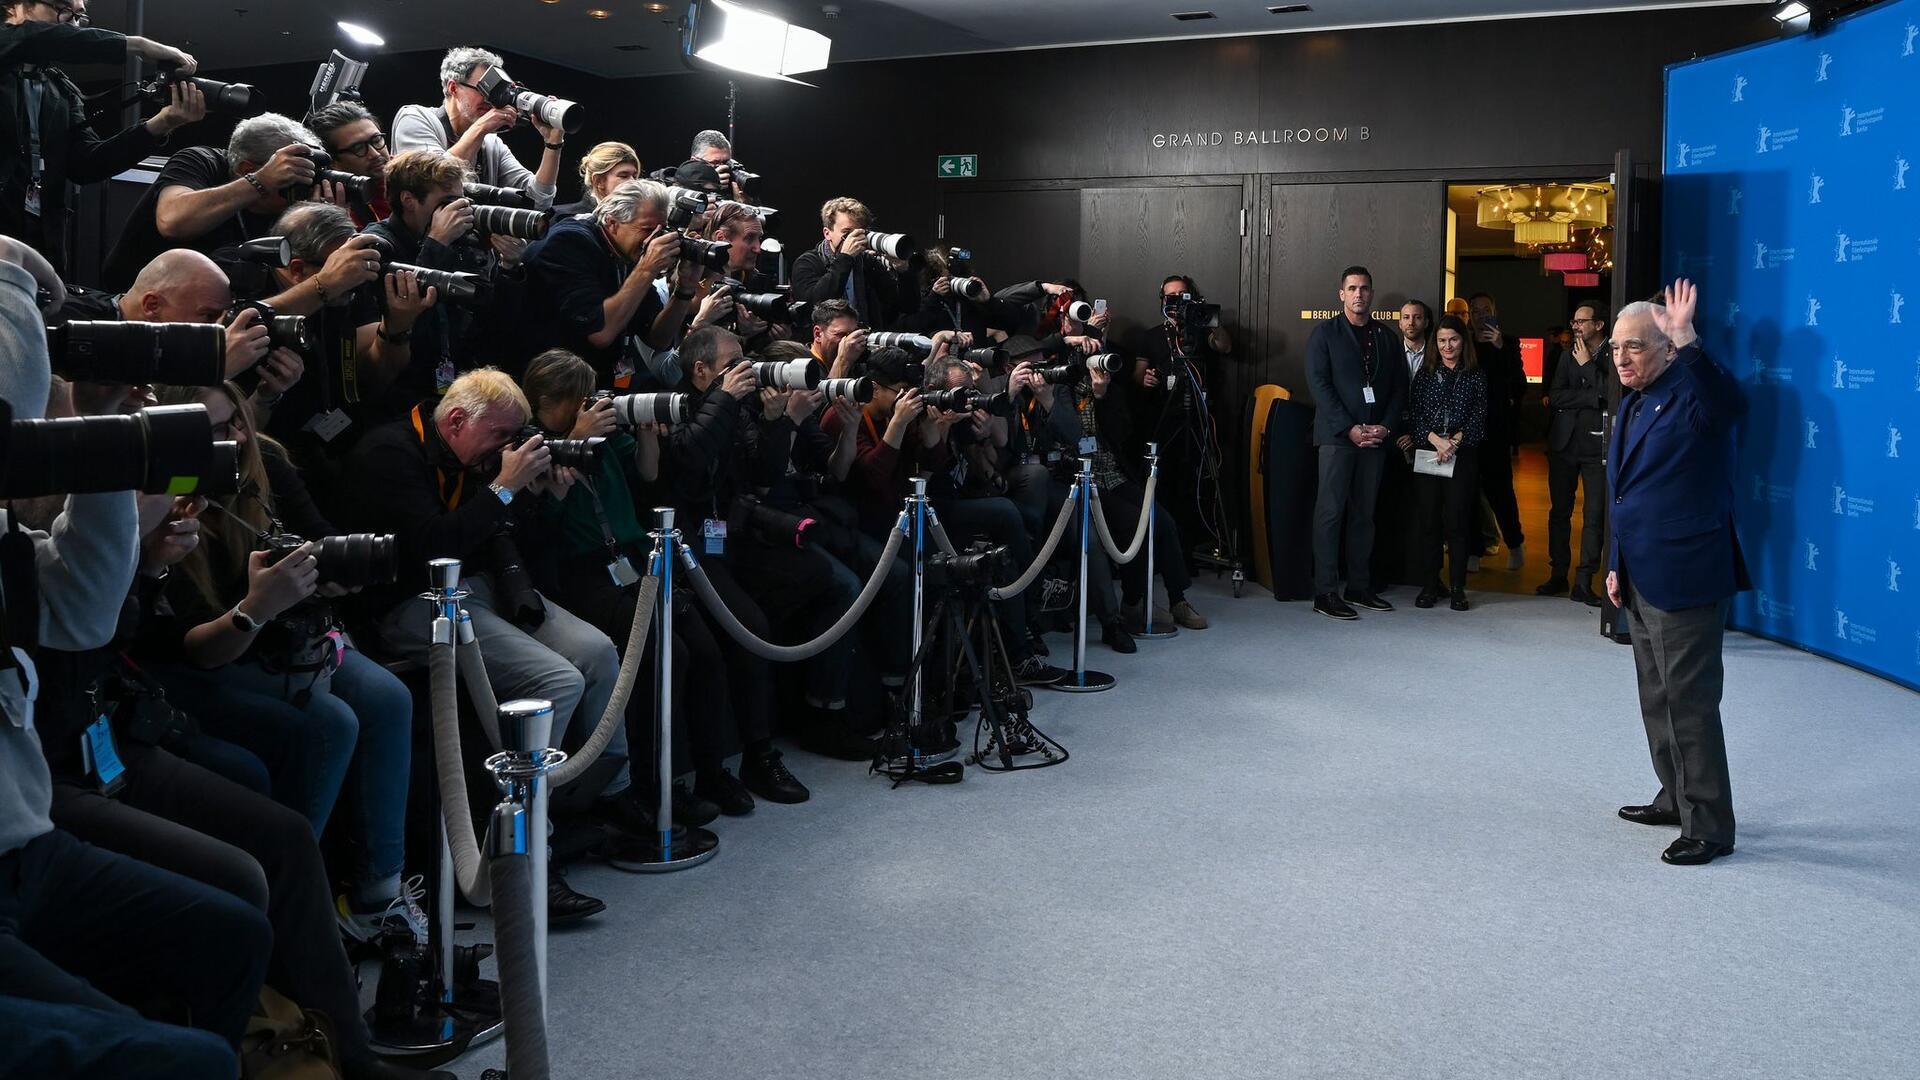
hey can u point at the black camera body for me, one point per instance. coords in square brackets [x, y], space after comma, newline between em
[503, 93]
[685, 204]
[967, 399]
[715, 255]
[352, 560]
[140, 710]
[1076, 371]
[238, 99]
[971, 570]
[582, 454]
[294, 332]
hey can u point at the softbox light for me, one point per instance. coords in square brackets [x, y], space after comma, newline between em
[727, 35]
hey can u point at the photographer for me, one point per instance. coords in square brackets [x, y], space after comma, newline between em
[468, 126]
[716, 150]
[444, 481]
[429, 227]
[839, 341]
[603, 168]
[43, 116]
[742, 227]
[845, 266]
[186, 286]
[207, 199]
[972, 310]
[351, 134]
[592, 281]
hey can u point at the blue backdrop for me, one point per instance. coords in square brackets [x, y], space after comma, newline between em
[1790, 196]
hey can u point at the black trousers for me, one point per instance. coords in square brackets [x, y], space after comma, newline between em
[1564, 472]
[81, 925]
[1496, 483]
[744, 684]
[1122, 507]
[1349, 488]
[39, 1038]
[803, 591]
[180, 817]
[1446, 517]
[1677, 659]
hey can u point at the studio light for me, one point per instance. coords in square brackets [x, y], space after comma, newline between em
[1786, 13]
[727, 35]
[360, 35]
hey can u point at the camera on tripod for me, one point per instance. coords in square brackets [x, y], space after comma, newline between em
[503, 93]
[162, 450]
[351, 561]
[969, 570]
[237, 98]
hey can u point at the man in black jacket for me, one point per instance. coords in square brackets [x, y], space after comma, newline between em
[1575, 454]
[1357, 369]
[844, 265]
[1499, 356]
[43, 118]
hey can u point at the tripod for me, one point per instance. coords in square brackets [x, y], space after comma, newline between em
[1186, 424]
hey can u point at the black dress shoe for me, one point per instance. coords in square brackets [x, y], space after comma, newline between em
[1583, 595]
[1427, 598]
[1370, 600]
[1330, 605]
[566, 906]
[1115, 637]
[826, 733]
[1459, 600]
[626, 813]
[692, 809]
[1551, 587]
[726, 791]
[1686, 852]
[1650, 815]
[766, 775]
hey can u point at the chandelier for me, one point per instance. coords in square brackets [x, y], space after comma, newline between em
[1542, 214]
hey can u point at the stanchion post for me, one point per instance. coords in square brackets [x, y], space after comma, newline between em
[1153, 524]
[444, 594]
[917, 506]
[1084, 681]
[667, 854]
[519, 825]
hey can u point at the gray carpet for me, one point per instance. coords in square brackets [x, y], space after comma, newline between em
[1287, 847]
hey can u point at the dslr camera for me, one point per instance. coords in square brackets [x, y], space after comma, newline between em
[631, 410]
[582, 454]
[503, 93]
[1076, 371]
[294, 332]
[455, 286]
[352, 561]
[971, 570]
[961, 399]
[237, 98]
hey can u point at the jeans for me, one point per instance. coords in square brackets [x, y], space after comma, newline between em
[41, 1039]
[563, 660]
[80, 925]
[348, 734]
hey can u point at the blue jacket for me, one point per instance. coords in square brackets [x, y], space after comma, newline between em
[1671, 474]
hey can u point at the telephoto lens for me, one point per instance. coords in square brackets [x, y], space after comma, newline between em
[238, 99]
[787, 374]
[1110, 363]
[894, 245]
[969, 288]
[1080, 311]
[630, 410]
[582, 454]
[552, 111]
[957, 399]
[772, 306]
[508, 221]
[711, 254]
[914, 344]
[163, 450]
[987, 356]
[360, 187]
[357, 560]
[137, 353]
[490, 195]
[859, 391]
[1072, 371]
[1000, 404]
[454, 286]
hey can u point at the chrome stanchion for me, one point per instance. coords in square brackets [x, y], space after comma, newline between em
[669, 852]
[1153, 523]
[520, 820]
[1084, 681]
[917, 504]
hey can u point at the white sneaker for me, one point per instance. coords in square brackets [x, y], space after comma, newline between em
[1516, 557]
[1473, 564]
[402, 915]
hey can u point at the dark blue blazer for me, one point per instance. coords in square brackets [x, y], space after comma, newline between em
[1671, 474]
[1336, 370]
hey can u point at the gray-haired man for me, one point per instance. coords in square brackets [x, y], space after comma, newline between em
[468, 126]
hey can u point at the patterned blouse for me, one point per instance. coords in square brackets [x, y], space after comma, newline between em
[1446, 400]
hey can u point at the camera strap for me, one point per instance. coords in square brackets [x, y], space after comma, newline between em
[448, 499]
[619, 567]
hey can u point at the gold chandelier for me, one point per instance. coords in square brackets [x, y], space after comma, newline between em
[1544, 213]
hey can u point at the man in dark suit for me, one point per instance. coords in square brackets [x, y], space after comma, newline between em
[1499, 356]
[1358, 371]
[1676, 561]
[1576, 410]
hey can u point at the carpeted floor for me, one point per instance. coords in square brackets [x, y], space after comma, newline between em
[1287, 847]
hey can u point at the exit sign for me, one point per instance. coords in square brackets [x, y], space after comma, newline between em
[957, 166]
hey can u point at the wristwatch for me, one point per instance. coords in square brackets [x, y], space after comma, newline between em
[244, 622]
[505, 494]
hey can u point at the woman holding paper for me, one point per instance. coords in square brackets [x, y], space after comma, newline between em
[1449, 414]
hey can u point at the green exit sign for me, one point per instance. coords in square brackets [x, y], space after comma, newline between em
[957, 166]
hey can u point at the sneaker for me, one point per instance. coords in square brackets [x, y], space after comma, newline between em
[766, 775]
[1036, 644]
[1369, 600]
[1330, 605]
[1115, 637]
[691, 809]
[725, 791]
[1134, 618]
[1516, 556]
[1035, 671]
[402, 915]
[1184, 614]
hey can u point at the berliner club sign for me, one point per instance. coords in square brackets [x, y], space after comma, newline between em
[1287, 136]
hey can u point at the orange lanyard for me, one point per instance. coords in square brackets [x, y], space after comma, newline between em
[450, 500]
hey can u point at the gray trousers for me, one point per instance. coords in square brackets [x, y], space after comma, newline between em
[564, 660]
[1349, 487]
[1676, 656]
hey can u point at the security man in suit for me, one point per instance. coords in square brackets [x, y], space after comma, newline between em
[1576, 410]
[1357, 369]
[1676, 561]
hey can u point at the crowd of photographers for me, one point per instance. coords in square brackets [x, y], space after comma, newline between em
[331, 351]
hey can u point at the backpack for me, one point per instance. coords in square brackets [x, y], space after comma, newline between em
[285, 1042]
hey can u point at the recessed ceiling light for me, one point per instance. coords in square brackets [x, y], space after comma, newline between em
[549, 1]
[1289, 9]
[1193, 16]
[600, 13]
[361, 35]
[655, 8]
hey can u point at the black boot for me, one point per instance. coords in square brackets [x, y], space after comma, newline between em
[566, 906]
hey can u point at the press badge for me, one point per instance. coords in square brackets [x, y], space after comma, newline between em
[1088, 444]
[101, 759]
[328, 425]
[622, 572]
[714, 532]
[1366, 394]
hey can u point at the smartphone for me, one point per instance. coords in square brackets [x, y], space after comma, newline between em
[1099, 307]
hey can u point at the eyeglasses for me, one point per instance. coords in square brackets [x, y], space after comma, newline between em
[375, 141]
[1585, 322]
[68, 13]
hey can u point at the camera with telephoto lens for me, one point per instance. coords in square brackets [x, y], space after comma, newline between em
[918, 345]
[508, 221]
[454, 286]
[490, 195]
[1081, 312]
[238, 99]
[630, 410]
[140, 710]
[1075, 371]
[163, 450]
[773, 307]
[582, 454]
[362, 188]
[138, 353]
[273, 251]
[967, 399]
[991, 357]
[685, 204]
[969, 288]
[294, 332]
[503, 93]
[351, 561]
[859, 391]
[787, 374]
[970, 570]
[739, 173]
[897, 246]
[708, 254]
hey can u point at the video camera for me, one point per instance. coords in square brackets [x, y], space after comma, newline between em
[237, 98]
[503, 93]
[139, 353]
[1193, 315]
[163, 450]
[352, 561]
[631, 410]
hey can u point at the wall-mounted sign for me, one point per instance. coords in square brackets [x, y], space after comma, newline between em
[1312, 314]
[957, 166]
[1266, 137]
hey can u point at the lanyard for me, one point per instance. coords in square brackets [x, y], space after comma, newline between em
[450, 500]
[600, 516]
